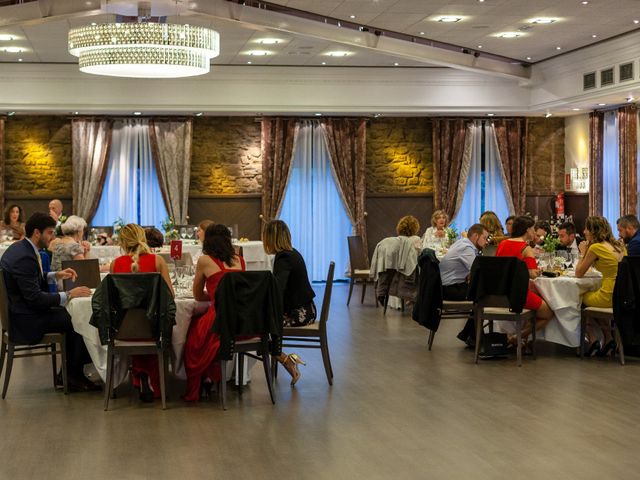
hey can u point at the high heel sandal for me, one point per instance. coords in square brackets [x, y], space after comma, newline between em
[206, 386]
[594, 349]
[608, 347]
[291, 363]
[146, 392]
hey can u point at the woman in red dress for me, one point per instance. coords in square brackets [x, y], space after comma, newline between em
[522, 232]
[138, 258]
[202, 345]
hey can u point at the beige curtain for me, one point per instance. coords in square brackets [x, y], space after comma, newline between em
[596, 133]
[628, 143]
[511, 137]
[171, 147]
[90, 143]
[277, 141]
[346, 142]
[1, 164]
[451, 157]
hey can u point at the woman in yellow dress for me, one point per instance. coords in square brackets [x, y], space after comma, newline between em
[602, 251]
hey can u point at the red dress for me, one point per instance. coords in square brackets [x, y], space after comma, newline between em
[141, 363]
[202, 345]
[511, 248]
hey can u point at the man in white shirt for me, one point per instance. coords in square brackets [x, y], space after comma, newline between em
[455, 268]
[567, 237]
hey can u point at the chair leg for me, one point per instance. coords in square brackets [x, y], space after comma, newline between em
[364, 291]
[162, 366]
[583, 325]
[519, 340]
[7, 373]
[267, 369]
[386, 302]
[351, 282]
[240, 364]
[402, 305]
[223, 384]
[63, 362]
[3, 353]
[478, 319]
[108, 387]
[54, 362]
[324, 349]
[618, 338]
[274, 368]
[533, 338]
[432, 334]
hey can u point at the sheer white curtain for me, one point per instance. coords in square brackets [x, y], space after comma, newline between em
[471, 206]
[312, 207]
[610, 170]
[495, 193]
[131, 190]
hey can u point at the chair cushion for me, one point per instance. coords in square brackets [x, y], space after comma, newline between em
[312, 326]
[134, 343]
[506, 312]
[247, 341]
[460, 305]
[599, 310]
[362, 272]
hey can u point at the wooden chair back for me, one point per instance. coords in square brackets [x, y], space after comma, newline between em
[88, 273]
[326, 300]
[4, 304]
[357, 255]
[135, 326]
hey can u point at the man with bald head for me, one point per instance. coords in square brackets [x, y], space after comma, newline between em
[55, 209]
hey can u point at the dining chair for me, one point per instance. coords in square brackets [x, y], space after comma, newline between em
[10, 349]
[313, 335]
[88, 273]
[596, 313]
[498, 288]
[358, 266]
[489, 250]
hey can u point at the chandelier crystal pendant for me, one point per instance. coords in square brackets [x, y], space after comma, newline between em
[144, 49]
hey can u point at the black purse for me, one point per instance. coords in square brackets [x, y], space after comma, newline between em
[494, 344]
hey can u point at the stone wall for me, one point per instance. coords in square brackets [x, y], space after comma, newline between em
[545, 155]
[226, 156]
[38, 156]
[399, 156]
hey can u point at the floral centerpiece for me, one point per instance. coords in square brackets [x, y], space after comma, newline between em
[61, 220]
[550, 244]
[169, 227]
[452, 234]
[118, 223]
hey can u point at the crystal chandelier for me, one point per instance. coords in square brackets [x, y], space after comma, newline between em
[144, 49]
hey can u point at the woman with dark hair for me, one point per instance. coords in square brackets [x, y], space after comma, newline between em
[202, 345]
[297, 295]
[542, 230]
[522, 232]
[13, 221]
[154, 237]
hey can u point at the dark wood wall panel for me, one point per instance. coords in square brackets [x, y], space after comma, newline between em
[575, 204]
[241, 210]
[384, 211]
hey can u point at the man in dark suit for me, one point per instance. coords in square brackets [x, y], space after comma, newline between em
[33, 310]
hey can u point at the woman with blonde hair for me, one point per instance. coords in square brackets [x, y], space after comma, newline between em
[602, 251]
[138, 258]
[291, 275]
[492, 223]
[436, 233]
[409, 226]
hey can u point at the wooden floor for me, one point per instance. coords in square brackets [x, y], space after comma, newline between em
[395, 411]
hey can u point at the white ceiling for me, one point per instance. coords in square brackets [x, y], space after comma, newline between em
[45, 40]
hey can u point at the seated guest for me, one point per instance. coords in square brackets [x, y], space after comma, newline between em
[491, 222]
[518, 246]
[13, 221]
[202, 345]
[436, 233]
[154, 237]
[202, 228]
[291, 275]
[409, 227]
[508, 223]
[70, 246]
[55, 210]
[137, 258]
[603, 252]
[629, 230]
[567, 237]
[542, 229]
[455, 267]
[33, 310]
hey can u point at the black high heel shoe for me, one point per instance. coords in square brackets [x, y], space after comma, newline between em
[594, 349]
[146, 392]
[608, 348]
[205, 389]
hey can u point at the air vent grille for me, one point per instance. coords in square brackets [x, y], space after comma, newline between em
[606, 77]
[626, 72]
[589, 81]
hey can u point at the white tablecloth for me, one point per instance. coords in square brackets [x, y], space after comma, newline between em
[564, 296]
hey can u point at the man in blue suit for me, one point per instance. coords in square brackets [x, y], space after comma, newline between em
[33, 310]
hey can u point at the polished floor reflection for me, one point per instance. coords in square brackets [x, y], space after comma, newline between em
[395, 411]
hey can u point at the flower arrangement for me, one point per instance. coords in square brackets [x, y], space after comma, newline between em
[550, 244]
[61, 220]
[118, 223]
[452, 233]
[169, 227]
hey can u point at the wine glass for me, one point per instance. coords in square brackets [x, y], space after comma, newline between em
[183, 233]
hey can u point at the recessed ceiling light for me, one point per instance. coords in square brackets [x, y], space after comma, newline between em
[558, 48]
[13, 49]
[421, 33]
[6, 38]
[576, 109]
[636, 21]
[630, 98]
[490, 114]
[137, 113]
[199, 114]
[601, 104]
[481, 1]
[528, 58]
[352, 16]
[93, 24]
[249, 62]
[396, 64]
[508, 34]
[547, 115]
[19, 59]
[338, 53]
[318, 114]
[10, 114]
[324, 63]
[543, 20]
[269, 41]
[258, 53]
[585, 2]
[449, 19]
[594, 36]
[479, 46]
[76, 113]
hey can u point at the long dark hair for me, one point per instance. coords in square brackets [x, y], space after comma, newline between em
[7, 214]
[217, 243]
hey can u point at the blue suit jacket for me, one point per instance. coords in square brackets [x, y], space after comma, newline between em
[27, 289]
[633, 247]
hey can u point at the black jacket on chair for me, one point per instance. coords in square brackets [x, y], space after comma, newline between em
[507, 276]
[120, 292]
[428, 307]
[626, 303]
[248, 303]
